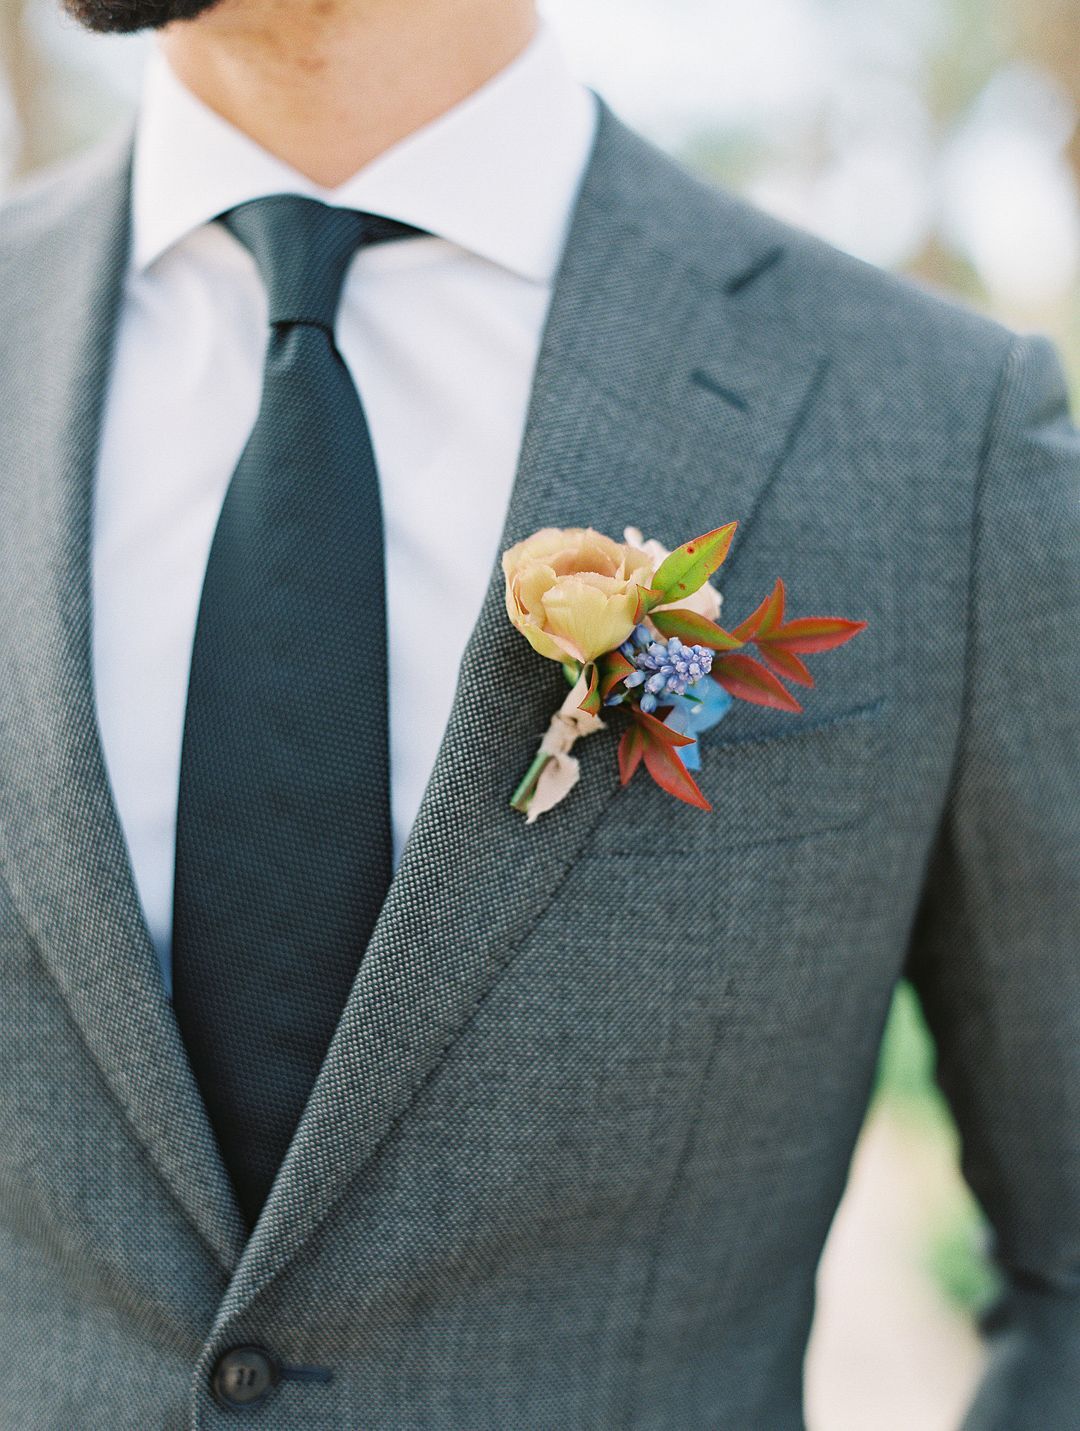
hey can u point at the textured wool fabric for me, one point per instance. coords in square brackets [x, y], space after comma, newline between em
[578, 1138]
[283, 847]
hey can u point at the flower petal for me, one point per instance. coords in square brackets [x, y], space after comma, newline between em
[587, 618]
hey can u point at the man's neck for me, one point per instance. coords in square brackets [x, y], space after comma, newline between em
[328, 85]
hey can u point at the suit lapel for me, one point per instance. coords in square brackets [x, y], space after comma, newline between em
[62, 851]
[660, 400]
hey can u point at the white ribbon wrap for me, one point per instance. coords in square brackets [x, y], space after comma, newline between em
[560, 774]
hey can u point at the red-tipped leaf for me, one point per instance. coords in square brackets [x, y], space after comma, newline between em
[807, 634]
[748, 680]
[656, 729]
[646, 600]
[671, 774]
[614, 667]
[698, 630]
[591, 703]
[764, 618]
[631, 749]
[785, 663]
[774, 609]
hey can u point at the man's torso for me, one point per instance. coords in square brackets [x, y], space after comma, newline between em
[576, 1146]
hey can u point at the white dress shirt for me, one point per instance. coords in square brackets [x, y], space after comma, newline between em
[441, 336]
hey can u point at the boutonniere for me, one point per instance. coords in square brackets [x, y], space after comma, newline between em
[635, 629]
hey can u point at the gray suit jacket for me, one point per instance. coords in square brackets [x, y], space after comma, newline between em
[577, 1142]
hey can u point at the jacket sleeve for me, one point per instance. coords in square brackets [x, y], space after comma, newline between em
[995, 953]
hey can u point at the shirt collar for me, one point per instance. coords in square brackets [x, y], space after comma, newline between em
[497, 175]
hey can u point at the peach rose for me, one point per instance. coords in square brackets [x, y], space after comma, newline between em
[573, 593]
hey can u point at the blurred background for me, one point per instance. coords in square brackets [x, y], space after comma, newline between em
[939, 137]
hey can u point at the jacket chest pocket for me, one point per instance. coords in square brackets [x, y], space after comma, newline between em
[768, 776]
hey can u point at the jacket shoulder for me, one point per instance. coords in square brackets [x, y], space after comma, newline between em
[52, 203]
[846, 304]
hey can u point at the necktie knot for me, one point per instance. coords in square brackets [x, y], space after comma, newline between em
[303, 249]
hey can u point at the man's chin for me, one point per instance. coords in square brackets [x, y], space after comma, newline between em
[124, 17]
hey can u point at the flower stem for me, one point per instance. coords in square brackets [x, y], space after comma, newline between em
[524, 793]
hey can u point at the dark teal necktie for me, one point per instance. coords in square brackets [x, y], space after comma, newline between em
[283, 842]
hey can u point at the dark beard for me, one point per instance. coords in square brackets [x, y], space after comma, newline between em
[125, 16]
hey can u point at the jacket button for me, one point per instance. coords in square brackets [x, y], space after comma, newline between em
[243, 1375]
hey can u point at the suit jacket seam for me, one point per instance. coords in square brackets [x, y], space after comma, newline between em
[983, 464]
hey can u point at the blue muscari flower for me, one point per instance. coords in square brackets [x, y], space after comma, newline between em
[666, 669]
[672, 667]
[638, 639]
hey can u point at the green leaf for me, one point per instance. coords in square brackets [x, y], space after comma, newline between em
[698, 630]
[690, 566]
